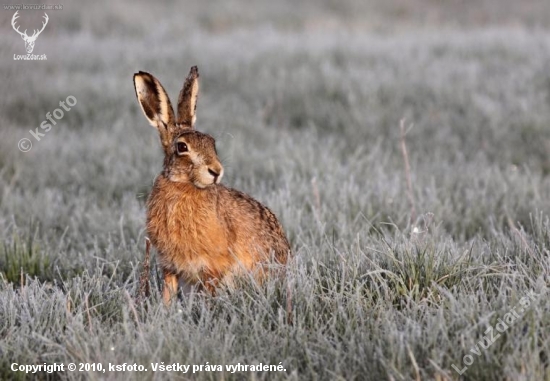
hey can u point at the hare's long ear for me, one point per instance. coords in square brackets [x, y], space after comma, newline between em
[187, 102]
[155, 105]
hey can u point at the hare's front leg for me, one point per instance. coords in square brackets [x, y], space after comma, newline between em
[170, 288]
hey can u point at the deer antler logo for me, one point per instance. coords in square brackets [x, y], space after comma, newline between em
[29, 40]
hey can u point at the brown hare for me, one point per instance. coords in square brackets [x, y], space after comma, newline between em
[204, 232]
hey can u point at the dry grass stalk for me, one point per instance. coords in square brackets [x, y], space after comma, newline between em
[144, 282]
[407, 170]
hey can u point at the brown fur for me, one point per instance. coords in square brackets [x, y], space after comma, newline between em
[203, 231]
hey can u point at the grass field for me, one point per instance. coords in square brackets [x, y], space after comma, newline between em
[305, 100]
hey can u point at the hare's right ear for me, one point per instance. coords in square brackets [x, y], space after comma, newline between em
[155, 105]
[187, 101]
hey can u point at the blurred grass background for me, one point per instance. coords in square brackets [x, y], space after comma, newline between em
[305, 101]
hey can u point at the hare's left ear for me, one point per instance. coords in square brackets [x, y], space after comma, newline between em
[153, 99]
[187, 101]
[156, 107]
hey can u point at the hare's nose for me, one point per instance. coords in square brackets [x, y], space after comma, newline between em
[214, 173]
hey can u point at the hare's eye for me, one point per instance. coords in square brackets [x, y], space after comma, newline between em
[182, 147]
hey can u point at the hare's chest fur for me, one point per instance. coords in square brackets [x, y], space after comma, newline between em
[183, 224]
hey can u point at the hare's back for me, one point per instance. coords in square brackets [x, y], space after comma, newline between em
[252, 226]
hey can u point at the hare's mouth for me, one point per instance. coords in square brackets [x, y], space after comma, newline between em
[209, 176]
